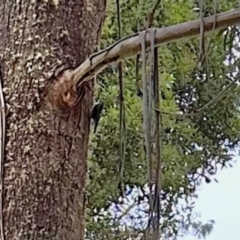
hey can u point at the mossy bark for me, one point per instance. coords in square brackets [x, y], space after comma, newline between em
[45, 153]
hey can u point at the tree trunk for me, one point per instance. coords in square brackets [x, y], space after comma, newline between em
[45, 153]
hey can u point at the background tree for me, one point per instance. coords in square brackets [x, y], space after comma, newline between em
[46, 149]
[193, 146]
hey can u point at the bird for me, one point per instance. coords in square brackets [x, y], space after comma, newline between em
[96, 113]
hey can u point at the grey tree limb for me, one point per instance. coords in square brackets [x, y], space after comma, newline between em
[131, 45]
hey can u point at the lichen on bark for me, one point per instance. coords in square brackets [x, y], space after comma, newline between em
[45, 154]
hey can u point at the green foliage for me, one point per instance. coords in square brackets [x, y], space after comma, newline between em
[191, 143]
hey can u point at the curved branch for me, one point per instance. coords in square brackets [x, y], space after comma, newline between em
[131, 45]
[63, 92]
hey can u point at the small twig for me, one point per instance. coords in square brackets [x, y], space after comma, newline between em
[122, 121]
[151, 13]
[127, 211]
[198, 111]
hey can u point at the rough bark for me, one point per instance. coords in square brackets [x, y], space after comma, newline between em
[45, 153]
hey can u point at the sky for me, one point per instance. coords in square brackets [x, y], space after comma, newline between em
[221, 202]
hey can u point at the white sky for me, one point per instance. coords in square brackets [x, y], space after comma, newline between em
[221, 202]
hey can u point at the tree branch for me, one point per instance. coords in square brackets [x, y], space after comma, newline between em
[130, 45]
